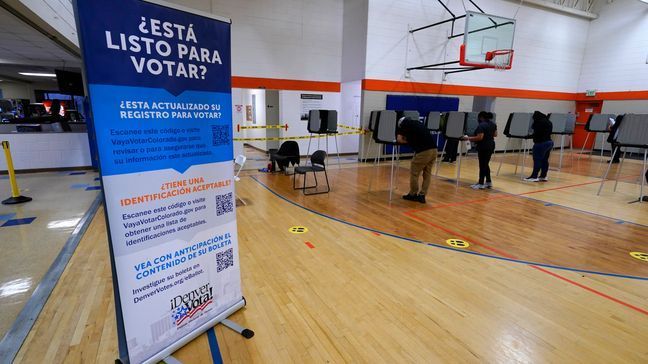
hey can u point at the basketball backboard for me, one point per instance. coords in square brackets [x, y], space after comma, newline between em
[488, 41]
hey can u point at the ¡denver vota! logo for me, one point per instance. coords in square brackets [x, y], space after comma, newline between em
[186, 307]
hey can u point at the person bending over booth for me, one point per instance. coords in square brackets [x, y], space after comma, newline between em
[485, 139]
[542, 146]
[415, 134]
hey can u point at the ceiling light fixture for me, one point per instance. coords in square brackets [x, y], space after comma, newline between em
[37, 74]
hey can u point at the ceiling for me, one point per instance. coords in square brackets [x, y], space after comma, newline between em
[25, 49]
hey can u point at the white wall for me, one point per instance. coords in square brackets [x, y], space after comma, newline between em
[617, 49]
[549, 46]
[354, 40]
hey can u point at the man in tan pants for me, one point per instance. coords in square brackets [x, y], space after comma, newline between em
[413, 133]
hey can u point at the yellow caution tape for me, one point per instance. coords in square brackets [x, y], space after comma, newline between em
[351, 127]
[297, 137]
[263, 127]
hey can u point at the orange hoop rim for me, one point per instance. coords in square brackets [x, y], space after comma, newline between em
[498, 52]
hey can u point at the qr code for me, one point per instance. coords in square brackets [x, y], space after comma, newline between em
[221, 135]
[224, 204]
[224, 260]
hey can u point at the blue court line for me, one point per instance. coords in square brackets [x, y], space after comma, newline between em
[14, 338]
[77, 186]
[93, 188]
[579, 210]
[18, 222]
[213, 347]
[525, 262]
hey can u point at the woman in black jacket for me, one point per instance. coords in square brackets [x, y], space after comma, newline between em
[542, 146]
[485, 139]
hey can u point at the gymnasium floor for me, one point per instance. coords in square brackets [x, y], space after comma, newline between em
[547, 275]
[32, 234]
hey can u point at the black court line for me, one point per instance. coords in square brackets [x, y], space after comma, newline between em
[14, 338]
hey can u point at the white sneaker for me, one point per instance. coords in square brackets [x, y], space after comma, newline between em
[531, 179]
[543, 179]
[477, 186]
[488, 185]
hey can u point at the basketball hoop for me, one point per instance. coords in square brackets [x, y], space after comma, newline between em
[500, 59]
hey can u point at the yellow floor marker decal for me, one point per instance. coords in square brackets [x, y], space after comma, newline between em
[457, 243]
[298, 229]
[640, 256]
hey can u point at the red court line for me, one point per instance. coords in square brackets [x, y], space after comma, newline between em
[308, 244]
[596, 292]
[506, 255]
[506, 195]
[452, 232]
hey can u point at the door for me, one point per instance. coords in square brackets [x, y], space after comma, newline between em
[583, 111]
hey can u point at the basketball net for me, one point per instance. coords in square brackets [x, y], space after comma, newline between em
[499, 59]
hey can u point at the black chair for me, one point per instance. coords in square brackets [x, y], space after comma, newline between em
[317, 165]
[287, 154]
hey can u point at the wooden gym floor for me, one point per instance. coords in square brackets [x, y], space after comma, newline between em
[547, 277]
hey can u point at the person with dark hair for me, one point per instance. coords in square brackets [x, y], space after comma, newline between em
[542, 146]
[485, 139]
[413, 133]
[613, 127]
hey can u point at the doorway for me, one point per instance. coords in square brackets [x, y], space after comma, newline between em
[583, 111]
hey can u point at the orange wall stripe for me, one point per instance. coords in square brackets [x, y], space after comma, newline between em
[282, 84]
[614, 95]
[445, 89]
[432, 88]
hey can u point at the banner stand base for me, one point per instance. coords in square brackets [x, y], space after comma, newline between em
[166, 355]
[246, 333]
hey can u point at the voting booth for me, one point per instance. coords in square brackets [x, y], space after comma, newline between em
[518, 126]
[563, 125]
[384, 133]
[597, 124]
[323, 122]
[632, 132]
[453, 127]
